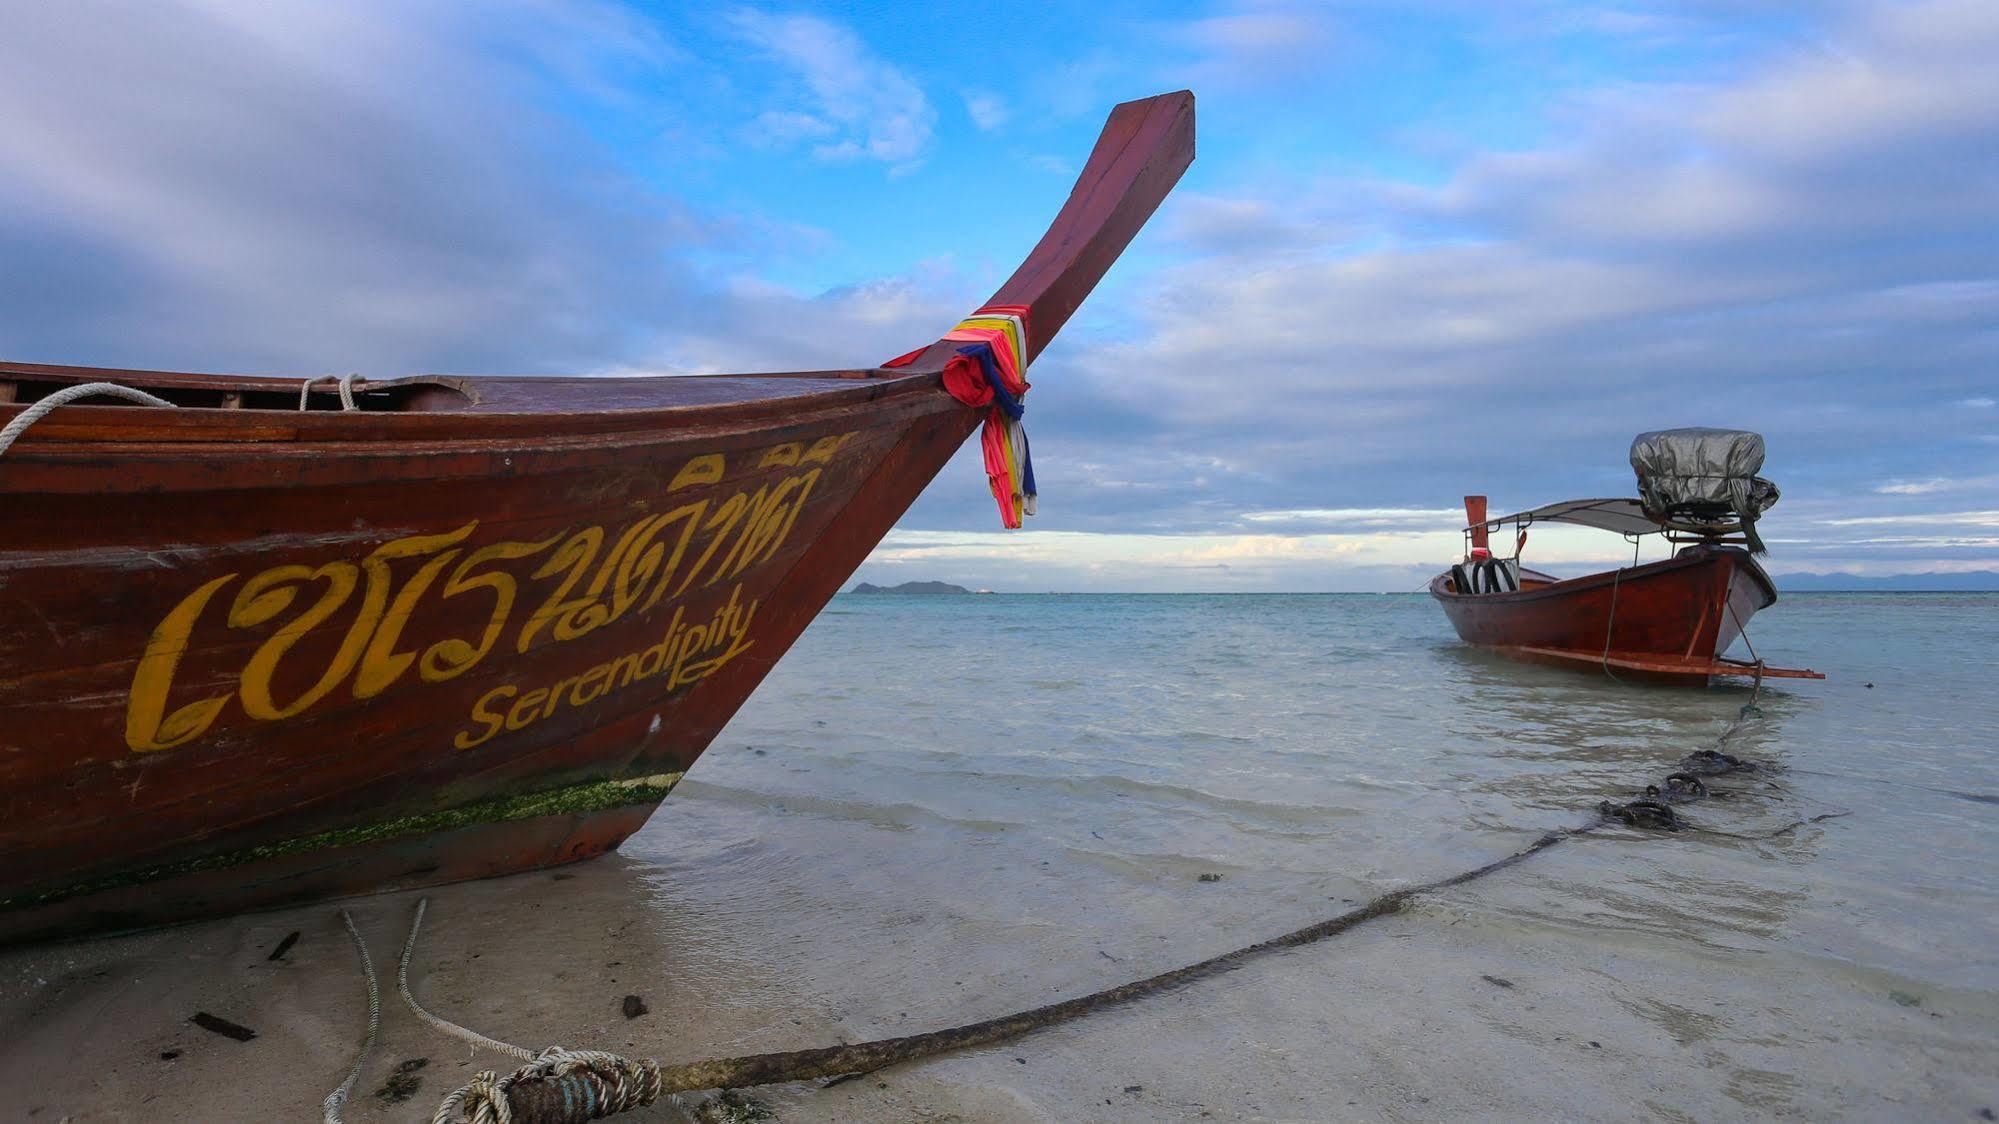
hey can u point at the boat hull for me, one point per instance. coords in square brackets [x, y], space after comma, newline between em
[1668, 621]
[285, 685]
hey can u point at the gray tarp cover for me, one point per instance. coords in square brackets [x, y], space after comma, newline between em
[1700, 475]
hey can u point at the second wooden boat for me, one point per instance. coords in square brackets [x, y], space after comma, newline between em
[1669, 621]
[265, 640]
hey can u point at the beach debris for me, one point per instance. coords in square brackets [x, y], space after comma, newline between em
[1906, 999]
[169, 1055]
[223, 1027]
[1678, 787]
[841, 1080]
[284, 946]
[403, 1083]
[731, 1106]
[1134, 1089]
[1685, 786]
[1210, 876]
[1497, 981]
[634, 1006]
[1642, 813]
[1712, 762]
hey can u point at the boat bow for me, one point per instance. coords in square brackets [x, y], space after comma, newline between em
[283, 639]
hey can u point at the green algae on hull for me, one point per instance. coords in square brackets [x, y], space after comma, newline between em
[595, 796]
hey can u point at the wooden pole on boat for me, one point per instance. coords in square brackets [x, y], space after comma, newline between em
[1475, 519]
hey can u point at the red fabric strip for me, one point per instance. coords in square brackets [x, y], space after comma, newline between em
[906, 360]
[966, 381]
[993, 442]
[1003, 356]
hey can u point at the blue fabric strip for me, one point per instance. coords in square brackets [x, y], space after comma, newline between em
[983, 352]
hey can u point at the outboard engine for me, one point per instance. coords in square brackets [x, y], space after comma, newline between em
[1704, 480]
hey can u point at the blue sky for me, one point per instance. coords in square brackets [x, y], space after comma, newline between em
[1427, 248]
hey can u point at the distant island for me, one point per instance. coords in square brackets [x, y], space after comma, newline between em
[910, 587]
[1970, 581]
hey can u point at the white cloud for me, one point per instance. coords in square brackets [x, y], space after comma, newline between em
[757, 326]
[1805, 249]
[1922, 519]
[860, 106]
[1361, 516]
[781, 128]
[1914, 487]
[987, 110]
[293, 185]
[1937, 484]
[1253, 42]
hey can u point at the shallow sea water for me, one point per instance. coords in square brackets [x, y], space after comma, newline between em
[940, 809]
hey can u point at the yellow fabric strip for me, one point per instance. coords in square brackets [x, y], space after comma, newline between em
[1016, 330]
[1012, 461]
[1015, 337]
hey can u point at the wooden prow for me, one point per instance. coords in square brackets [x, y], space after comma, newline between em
[1475, 521]
[1139, 156]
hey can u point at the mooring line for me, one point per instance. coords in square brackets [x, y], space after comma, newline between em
[565, 1086]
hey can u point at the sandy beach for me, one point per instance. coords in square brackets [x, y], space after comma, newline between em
[1400, 1020]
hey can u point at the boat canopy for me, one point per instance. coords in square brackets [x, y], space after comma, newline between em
[1625, 516]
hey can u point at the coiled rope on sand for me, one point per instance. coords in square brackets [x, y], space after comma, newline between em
[565, 1086]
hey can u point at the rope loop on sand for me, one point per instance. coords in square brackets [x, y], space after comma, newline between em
[46, 406]
[446, 1025]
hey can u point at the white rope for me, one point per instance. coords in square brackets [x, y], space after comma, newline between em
[616, 1083]
[446, 1025]
[342, 383]
[337, 1099]
[64, 397]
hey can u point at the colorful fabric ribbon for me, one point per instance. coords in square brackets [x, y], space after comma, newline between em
[987, 370]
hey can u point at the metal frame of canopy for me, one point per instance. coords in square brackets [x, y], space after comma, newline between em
[1621, 515]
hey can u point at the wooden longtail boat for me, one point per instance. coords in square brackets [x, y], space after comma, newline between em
[253, 654]
[1669, 621]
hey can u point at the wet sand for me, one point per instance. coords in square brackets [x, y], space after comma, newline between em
[811, 884]
[1397, 1020]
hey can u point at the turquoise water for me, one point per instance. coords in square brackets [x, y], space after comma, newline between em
[1012, 785]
